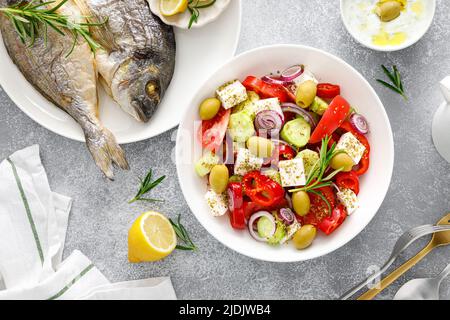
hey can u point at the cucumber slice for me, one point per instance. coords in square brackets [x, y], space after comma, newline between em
[309, 158]
[279, 235]
[241, 126]
[248, 105]
[272, 174]
[319, 106]
[296, 132]
[206, 163]
[264, 227]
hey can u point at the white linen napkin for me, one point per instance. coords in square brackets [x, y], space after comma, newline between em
[33, 225]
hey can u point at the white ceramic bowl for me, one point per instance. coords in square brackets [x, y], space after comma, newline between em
[327, 68]
[419, 31]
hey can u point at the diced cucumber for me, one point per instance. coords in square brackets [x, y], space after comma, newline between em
[309, 158]
[241, 126]
[279, 235]
[264, 227]
[296, 132]
[206, 163]
[248, 105]
[319, 106]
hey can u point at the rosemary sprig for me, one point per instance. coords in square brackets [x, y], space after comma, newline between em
[183, 235]
[146, 186]
[396, 84]
[33, 18]
[316, 178]
[194, 7]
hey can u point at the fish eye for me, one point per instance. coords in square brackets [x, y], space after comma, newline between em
[152, 89]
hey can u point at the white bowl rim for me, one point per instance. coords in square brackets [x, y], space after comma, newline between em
[337, 244]
[388, 49]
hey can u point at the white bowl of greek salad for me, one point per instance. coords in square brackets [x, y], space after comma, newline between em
[285, 154]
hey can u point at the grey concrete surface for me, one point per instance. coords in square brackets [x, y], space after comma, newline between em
[419, 192]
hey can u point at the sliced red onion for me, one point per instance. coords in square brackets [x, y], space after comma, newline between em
[287, 216]
[359, 123]
[289, 200]
[272, 80]
[255, 217]
[292, 107]
[291, 73]
[335, 187]
[278, 142]
[268, 120]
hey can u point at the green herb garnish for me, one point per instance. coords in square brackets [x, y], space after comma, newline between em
[396, 80]
[194, 7]
[183, 235]
[146, 186]
[34, 18]
[316, 178]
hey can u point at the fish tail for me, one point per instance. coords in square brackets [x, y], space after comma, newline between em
[106, 151]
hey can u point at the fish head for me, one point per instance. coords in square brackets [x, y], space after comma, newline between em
[138, 87]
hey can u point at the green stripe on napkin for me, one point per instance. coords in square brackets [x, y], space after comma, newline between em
[27, 209]
[71, 283]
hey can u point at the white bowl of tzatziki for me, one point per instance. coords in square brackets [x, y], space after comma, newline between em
[387, 25]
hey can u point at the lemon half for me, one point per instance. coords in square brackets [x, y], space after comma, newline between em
[151, 238]
[172, 7]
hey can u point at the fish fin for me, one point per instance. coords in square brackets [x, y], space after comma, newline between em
[101, 34]
[106, 151]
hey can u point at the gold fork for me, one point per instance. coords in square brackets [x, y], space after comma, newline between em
[439, 239]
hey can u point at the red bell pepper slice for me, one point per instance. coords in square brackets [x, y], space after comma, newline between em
[235, 196]
[261, 189]
[266, 90]
[328, 90]
[331, 223]
[237, 219]
[364, 164]
[332, 119]
[348, 180]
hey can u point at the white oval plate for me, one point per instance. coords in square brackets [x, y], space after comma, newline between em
[355, 89]
[207, 15]
[419, 32]
[199, 52]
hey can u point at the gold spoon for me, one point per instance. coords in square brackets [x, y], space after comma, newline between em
[439, 239]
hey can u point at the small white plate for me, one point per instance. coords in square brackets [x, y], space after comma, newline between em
[420, 30]
[327, 68]
[207, 15]
[199, 52]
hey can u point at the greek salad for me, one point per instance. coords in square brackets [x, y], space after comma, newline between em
[283, 155]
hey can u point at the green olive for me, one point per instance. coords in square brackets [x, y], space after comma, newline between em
[218, 178]
[301, 203]
[389, 10]
[209, 108]
[342, 160]
[306, 92]
[304, 236]
[235, 178]
[260, 147]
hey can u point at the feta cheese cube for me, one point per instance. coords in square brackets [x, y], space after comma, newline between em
[217, 203]
[246, 162]
[310, 159]
[305, 76]
[268, 104]
[349, 199]
[351, 145]
[290, 231]
[292, 173]
[231, 94]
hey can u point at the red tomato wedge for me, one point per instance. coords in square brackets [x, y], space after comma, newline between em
[212, 132]
[328, 90]
[319, 208]
[331, 223]
[332, 119]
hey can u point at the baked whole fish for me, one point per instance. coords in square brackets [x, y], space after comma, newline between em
[70, 82]
[137, 59]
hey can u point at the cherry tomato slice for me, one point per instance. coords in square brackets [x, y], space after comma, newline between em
[328, 90]
[332, 119]
[331, 223]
